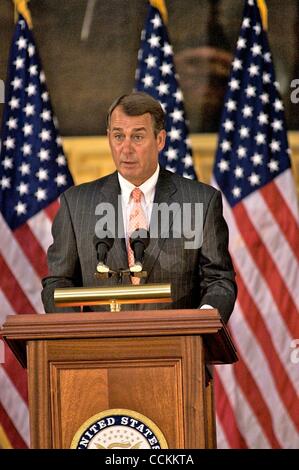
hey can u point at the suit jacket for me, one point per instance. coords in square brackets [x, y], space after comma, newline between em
[198, 276]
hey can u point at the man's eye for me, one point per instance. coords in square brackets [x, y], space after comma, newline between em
[118, 137]
[138, 138]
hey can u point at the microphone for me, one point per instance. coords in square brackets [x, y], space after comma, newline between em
[139, 241]
[103, 242]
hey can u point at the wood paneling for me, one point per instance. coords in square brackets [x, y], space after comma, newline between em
[89, 157]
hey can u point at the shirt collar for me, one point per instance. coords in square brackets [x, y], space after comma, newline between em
[147, 187]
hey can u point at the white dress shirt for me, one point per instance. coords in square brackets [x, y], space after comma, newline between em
[148, 188]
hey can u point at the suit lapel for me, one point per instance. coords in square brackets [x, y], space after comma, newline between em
[165, 190]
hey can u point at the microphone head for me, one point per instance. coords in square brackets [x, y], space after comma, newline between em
[140, 235]
[103, 236]
[103, 242]
[139, 241]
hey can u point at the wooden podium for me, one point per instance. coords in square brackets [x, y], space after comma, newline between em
[154, 363]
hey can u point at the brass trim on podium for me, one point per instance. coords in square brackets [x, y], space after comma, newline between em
[114, 296]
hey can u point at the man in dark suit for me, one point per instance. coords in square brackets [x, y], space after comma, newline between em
[201, 274]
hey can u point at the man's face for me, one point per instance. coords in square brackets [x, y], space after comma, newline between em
[134, 146]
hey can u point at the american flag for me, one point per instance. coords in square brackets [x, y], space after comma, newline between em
[257, 398]
[156, 76]
[33, 173]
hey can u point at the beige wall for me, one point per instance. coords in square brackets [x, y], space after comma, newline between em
[89, 157]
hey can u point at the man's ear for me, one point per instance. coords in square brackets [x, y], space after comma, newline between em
[161, 138]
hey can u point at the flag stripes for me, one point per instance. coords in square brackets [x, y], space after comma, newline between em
[263, 339]
[11, 431]
[266, 266]
[14, 405]
[31, 249]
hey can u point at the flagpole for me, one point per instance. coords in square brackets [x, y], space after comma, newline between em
[22, 8]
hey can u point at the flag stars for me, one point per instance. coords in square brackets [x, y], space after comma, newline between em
[234, 84]
[163, 88]
[14, 103]
[225, 146]
[273, 165]
[23, 188]
[223, 165]
[17, 83]
[241, 43]
[266, 77]
[177, 115]
[5, 182]
[239, 172]
[29, 109]
[19, 63]
[178, 95]
[165, 69]
[60, 180]
[174, 134]
[21, 43]
[275, 145]
[276, 125]
[257, 159]
[260, 138]
[154, 41]
[267, 57]
[31, 89]
[236, 192]
[241, 152]
[148, 80]
[256, 49]
[237, 64]
[257, 28]
[171, 154]
[45, 96]
[31, 50]
[12, 123]
[246, 23]
[33, 70]
[43, 154]
[253, 70]
[45, 135]
[60, 160]
[156, 21]
[250, 91]
[21, 208]
[244, 132]
[24, 168]
[262, 118]
[42, 174]
[42, 77]
[26, 149]
[167, 49]
[46, 115]
[9, 143]
[188, 162]
[27, 129]
[228, 125]
[151, 61]
[254, 179]
[278, 106]
[230, 105]
[264, 98]
[41, 194]
[7, 163]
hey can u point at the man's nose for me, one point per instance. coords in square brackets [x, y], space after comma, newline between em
[127, 145]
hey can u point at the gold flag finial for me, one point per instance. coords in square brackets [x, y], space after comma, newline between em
[160, 5]
[264, 13]
[22, 8]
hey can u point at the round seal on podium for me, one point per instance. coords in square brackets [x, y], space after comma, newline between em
[119, 429]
